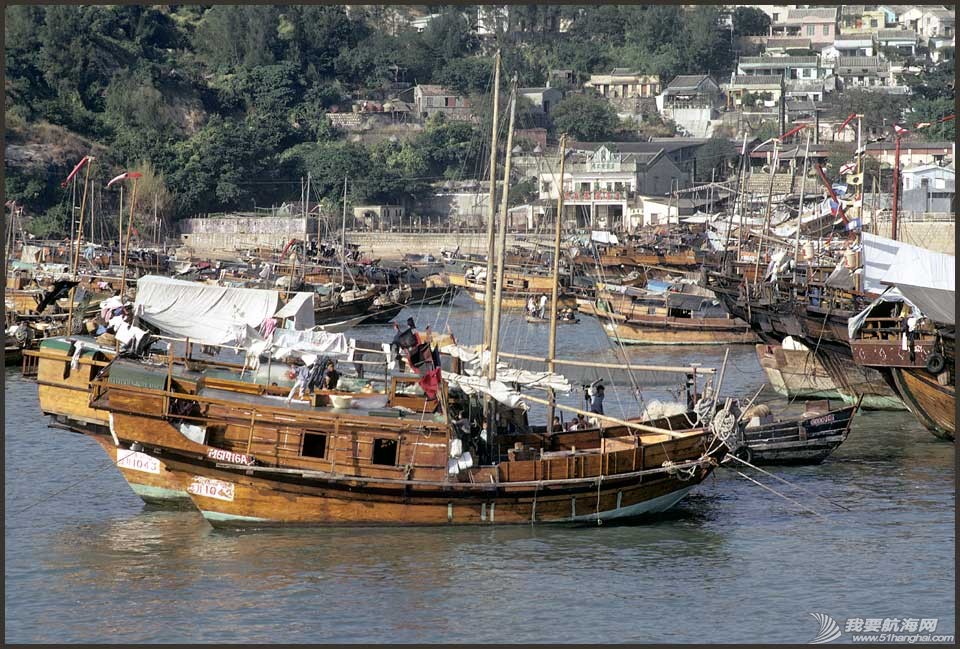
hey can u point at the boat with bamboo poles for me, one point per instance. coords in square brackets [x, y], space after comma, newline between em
[257, 460]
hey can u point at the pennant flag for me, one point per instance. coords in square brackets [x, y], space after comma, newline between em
[899, 130]
[839, 189]
[793, 131]
[73, 173]
[847, 168]
[855, 179]
[921, 125]
[124, 176]
[847, 121]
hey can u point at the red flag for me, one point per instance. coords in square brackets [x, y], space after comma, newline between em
[430, 382]
[125, 175]
[847, 121]
[792, 131]
[73, 173]
[899, 130]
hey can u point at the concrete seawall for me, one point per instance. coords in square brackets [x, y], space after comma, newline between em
[393, 245]
[939, 236]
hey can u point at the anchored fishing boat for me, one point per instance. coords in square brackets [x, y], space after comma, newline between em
[762, 439]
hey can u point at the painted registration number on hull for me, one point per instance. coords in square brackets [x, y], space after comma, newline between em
[211, 488]
[137, 461]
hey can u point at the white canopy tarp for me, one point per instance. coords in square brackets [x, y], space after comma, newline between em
[602, 236]
[927, 280]
[300, 308]
[313, 342]
[208, 314]
[878, 254]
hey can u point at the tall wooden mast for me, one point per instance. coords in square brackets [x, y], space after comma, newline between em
[552, 340]
[492, 211]
[502, 240]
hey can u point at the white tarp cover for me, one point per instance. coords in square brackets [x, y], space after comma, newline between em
[927, 280]
[602, 236]
[878, 254]
[208, 314]
[300, 308]
[314, 342]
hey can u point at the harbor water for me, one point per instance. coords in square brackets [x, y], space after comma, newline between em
[86, 561]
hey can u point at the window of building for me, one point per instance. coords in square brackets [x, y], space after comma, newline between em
[385, 452]
[939, 183]
[811, 30]
[826, 29]
[314, 445]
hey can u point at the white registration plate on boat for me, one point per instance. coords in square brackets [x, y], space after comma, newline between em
[137, 461]
[211, 488]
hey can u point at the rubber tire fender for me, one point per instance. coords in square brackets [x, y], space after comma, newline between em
[935, 363]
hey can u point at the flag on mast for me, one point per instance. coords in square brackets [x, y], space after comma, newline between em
[124, 176]
[76, 169]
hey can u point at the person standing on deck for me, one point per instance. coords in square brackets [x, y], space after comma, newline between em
[543, 307]
[531, 306]
[595, 394]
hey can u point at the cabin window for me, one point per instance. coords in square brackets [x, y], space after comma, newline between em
[385, 452]
[314, 445]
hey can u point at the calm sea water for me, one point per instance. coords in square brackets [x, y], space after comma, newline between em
[86, 561]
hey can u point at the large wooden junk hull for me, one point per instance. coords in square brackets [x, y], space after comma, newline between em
[255, 460]
[934, 405]
[514, 301]
[231, 498]
[148, 476]
[680, 331]
[808, 441]
[799, 373]
[64, 395]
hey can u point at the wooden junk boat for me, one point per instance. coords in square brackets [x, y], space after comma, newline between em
[253, 459]
[639, 317]
[919, 362]
[762, 439]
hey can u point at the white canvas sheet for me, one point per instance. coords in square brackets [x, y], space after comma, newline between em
[927, 279]
[878, 254]
[300, 308]
[208, 314]
[314, 342]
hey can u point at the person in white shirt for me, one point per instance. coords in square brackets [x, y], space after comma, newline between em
[543, 306]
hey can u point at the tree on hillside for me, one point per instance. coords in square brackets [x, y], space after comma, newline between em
[467, 76]
[234, 36]
[750, 21]
[879, 109]
[586, 117]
